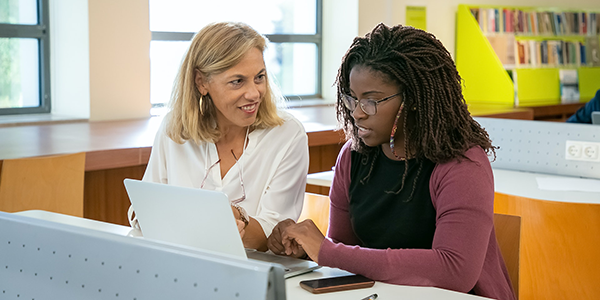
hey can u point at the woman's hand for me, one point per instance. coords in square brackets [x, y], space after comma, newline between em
[240, 224]
[251, 233]
[241, 227]
[304, 235]
[296, 239]
[274, 242]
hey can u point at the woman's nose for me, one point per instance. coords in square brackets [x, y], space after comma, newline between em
[253, 92]
[358, 113]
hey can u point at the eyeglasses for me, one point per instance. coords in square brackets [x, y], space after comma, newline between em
[236, 201]
[368, 106]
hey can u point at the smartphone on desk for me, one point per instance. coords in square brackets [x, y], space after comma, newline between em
[335, 284]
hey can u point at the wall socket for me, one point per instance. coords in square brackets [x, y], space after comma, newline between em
[584, 151]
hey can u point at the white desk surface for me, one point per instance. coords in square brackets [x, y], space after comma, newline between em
[293, 289]
[517, 183]
[524, 184]
[320, 179]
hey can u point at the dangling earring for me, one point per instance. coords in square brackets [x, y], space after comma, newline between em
[200, 104]
[394, 133]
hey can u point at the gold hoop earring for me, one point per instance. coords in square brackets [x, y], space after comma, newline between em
[200, 104]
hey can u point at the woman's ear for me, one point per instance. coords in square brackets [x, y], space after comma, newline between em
[200, 81]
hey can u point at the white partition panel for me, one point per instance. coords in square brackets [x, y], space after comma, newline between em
[539, 146]
[40, 259]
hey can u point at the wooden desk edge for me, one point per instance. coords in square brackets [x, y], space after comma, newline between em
[120, 158]
[516, 114]
[116, 158]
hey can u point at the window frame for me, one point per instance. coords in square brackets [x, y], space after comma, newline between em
[273, 38]
[41, 32]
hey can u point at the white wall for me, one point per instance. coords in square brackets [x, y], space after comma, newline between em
[340, 26]
[119, 59]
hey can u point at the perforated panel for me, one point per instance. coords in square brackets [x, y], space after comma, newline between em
[538, 146]
[45, 260]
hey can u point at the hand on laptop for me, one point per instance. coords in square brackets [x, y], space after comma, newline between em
[296, 239]
[274, 241]
[241, 227]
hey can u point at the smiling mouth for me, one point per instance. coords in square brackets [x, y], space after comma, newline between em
[249, 108]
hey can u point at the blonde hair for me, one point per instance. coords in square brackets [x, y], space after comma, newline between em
[216, 48]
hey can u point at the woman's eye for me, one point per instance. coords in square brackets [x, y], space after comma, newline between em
[236, 82]
[260, 78]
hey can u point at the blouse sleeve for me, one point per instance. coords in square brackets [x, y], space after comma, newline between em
[156, 171]
[462, 194]
[283, 196]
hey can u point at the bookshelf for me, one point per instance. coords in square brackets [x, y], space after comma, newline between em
[513, 56]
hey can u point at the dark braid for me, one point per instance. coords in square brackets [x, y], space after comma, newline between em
[438, 125]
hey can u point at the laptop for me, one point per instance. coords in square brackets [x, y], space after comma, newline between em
[596, 118]
[198, 218]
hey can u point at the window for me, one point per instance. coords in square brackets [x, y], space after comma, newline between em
[24, 57]
[293, 28]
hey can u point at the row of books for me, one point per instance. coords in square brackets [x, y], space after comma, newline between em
[508, 20]
[546, 53]
[549, 53]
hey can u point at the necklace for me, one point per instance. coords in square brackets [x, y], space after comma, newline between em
[208, 166]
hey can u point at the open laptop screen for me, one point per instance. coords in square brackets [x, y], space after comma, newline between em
[596, 118]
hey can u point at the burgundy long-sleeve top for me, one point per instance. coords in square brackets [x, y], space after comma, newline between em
[465, 255]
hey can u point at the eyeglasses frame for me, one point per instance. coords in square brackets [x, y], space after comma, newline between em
[359, 103]
[236, 201]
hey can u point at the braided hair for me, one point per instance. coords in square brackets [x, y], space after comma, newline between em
[437, 125]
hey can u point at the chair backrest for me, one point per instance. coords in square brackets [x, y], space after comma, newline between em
[51, 183]
[508, 235]
[316, 208]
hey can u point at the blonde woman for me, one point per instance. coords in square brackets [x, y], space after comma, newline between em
[224, 132]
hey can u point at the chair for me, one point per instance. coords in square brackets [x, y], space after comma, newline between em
[316, 208]
[559, 247]
[51, 183]
[508, 235]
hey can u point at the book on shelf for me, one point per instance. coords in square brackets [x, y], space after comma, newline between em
[534, 22]
[592, 51]
[555, 53]
[504, 45]
[569, 86]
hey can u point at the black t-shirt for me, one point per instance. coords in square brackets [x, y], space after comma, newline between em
[381, 216]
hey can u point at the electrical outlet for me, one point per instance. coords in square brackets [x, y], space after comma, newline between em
[583, 151]
[573, 150]
[589, 151]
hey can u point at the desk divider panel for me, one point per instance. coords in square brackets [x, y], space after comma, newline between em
[41, 259]
[538, 146]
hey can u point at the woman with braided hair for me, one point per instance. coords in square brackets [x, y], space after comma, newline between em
[412, 194]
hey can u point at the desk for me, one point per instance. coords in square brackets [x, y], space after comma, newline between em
[558, 112]
[293, 290]
[116, 150]
[320, 179]
[560, 236]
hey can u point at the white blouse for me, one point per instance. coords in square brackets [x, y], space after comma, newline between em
[274, 166]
